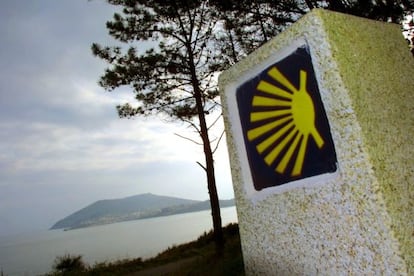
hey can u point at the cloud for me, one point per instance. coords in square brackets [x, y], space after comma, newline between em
[121, 144]
[62, 145]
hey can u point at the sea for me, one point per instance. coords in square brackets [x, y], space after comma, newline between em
[34, 254]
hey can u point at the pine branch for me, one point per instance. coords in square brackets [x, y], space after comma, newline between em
[215, 121]
[189, 139]
[218, 142]
[201, 165]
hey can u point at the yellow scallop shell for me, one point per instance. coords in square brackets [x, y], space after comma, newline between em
[288, 119]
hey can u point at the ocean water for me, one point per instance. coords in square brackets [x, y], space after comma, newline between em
[34, 254]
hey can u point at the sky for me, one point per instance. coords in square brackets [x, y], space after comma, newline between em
[62, 145]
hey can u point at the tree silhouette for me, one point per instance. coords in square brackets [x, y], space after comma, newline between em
[252, 23]
[176, 76]
[388, 10]
[249, 24]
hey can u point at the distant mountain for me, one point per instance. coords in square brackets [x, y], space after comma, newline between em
[132, 208]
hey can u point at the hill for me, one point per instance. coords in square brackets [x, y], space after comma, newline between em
[132, 208]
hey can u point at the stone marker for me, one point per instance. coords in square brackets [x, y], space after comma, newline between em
[320, 131]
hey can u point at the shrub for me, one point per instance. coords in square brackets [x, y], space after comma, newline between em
[69, 263]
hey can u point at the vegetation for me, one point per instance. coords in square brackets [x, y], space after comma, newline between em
[200, 255]
[249, 24]
[68, 264]
[388, 10]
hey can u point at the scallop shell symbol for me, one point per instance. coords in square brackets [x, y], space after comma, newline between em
[286, 118]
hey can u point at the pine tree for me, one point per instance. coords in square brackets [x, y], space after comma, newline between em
[383, 10]
[176, 76]
[250, 24]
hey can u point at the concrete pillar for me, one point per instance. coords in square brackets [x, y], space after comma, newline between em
[320, 132]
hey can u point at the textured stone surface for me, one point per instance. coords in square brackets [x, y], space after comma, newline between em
[362, 222]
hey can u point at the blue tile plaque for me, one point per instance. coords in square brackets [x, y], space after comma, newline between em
[285, 128]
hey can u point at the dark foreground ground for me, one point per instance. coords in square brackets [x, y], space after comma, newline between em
[195, 258]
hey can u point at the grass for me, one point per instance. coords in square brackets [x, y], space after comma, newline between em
[201, 256]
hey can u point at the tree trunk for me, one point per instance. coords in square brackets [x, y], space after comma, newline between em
[212, 189]
[337, 5]
[208, 153]
[260, 18]
[233, 48]
[309, 4]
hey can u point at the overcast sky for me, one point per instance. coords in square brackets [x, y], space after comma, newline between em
[62, 145]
